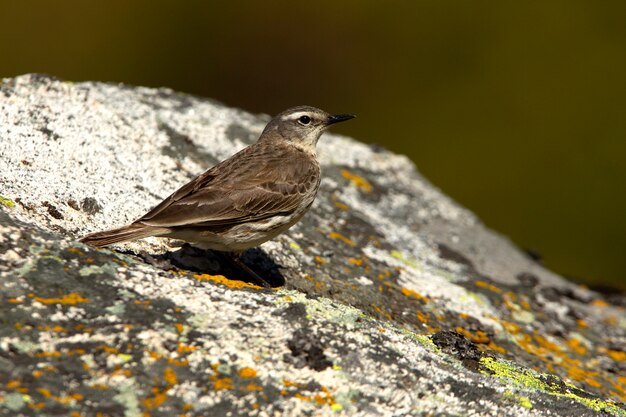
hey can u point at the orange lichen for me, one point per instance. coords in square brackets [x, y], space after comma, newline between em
[14, 300]
[511, 327]
[582, 323]
[122, 372]
[617, 355]
[546, 344]
[60, 399]
[488, 286]
[179, 327]
[319, 260]
[16, 385]
[158, 398]
[339, 236]
[183, 348]
[44, 354]
[108, 349]
[178, 362]
[154, 355]
[289, 383]
[382, 312]
[223, 384]
[69, 299]
[45, 392]
[247, 373]
[576, 346]
[510, 295]
[355, 261]
[252, 387]
[414, 294]
[357, 180]
[599, 303]
[221, 279]
[497, 348]
[478, 337]
[169, 376]
[422, 317]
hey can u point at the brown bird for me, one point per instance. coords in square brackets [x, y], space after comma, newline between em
[245, 200]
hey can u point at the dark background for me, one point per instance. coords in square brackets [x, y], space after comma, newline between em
[515, 109]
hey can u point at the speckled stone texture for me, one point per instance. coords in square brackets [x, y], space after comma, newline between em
[396, 300]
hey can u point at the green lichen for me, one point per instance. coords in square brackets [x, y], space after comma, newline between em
[117, 309]
[531, 380]
[523, 316]
[14, 401]
[25, 346]
[106, 269]
[407, 261]
[324, 308]
[6, 202]
[422, 339]
[521, 400]
[294, 246]
[127, 397]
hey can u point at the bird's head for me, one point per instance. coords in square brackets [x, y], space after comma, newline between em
[302, 125]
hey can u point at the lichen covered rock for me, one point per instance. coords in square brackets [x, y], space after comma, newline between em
[396, 301]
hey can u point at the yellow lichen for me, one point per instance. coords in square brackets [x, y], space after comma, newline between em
[6, 202]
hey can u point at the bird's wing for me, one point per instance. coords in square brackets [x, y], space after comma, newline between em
[241, 189]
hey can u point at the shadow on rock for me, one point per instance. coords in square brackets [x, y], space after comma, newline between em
[202, 261]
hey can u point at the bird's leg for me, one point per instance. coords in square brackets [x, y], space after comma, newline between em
[235, 259]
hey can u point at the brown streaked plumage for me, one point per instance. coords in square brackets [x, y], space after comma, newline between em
[247, 199]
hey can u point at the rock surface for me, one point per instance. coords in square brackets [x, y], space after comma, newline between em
[396, 301]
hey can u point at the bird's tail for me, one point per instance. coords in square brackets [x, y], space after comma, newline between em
[121, 234]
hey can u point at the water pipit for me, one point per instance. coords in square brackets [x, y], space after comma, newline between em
[245, 200]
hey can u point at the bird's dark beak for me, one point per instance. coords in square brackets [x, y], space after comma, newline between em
[336, 118]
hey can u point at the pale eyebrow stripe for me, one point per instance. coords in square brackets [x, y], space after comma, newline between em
[294, 116]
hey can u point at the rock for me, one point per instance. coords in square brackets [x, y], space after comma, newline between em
[396, 300]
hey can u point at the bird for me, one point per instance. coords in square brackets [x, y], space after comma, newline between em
[245, 200]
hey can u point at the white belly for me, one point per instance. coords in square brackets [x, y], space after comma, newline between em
[241, 237]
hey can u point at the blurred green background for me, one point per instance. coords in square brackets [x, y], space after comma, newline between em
[515, 109]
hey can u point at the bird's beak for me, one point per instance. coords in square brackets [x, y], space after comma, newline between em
[336, 118]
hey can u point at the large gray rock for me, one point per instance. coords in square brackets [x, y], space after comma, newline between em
[397, 301]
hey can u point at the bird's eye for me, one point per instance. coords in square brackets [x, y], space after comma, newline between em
[305, 120]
